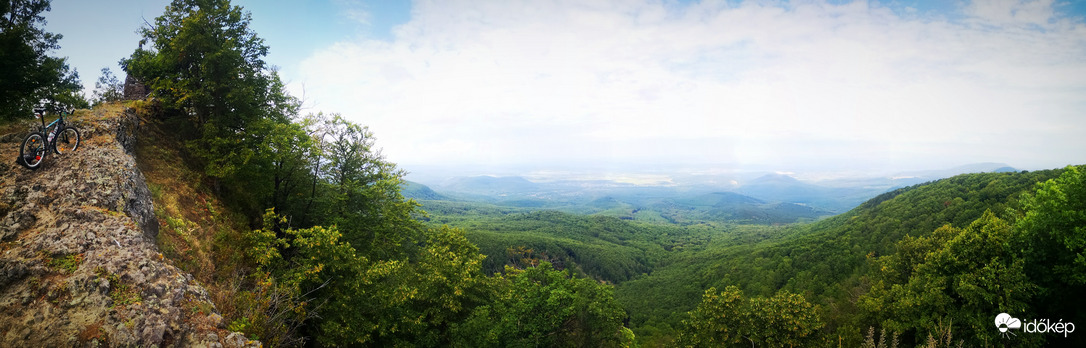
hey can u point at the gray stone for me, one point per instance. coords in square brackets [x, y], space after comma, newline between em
[134, 90]
[235, 340]
[98, 207]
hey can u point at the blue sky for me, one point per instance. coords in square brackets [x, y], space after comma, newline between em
[99, 33]
[799, 85]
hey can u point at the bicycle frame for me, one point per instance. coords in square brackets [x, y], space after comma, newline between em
[59, 122]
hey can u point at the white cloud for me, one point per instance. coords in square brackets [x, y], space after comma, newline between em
[632, 81]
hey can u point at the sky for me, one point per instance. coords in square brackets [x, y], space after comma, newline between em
[787, 85]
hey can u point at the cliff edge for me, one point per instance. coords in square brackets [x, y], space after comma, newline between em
[78, 260]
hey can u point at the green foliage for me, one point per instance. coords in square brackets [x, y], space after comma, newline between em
[310, 252]
[863, 268]
[122, 293]
[1054, 225]
[542, 307]
[204, 60]
[315, 258]
[28, 75]
[362, 300]
[719, 320]
[602, 247]
[67, 263]
[206, 66]
[240, 325]
[964, 275]
[363, 191]
[108, 88]
[826, 261]
[287, 154]
[786, 319]
[726, 319]
[399, 303]
[1053, 239]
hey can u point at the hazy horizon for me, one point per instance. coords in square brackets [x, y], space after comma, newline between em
[681, 174]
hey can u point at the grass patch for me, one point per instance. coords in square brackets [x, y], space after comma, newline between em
[201, 307]
[122, 293]
[197, 232]
[65, 264]
[112, 213]
[156, 190]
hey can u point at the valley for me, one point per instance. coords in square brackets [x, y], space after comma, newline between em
[663, 245]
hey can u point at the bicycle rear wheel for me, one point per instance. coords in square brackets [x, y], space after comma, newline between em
[33, 150]
[67, 140]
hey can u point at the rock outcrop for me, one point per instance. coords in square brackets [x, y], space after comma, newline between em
[134, 90]
[78, 261]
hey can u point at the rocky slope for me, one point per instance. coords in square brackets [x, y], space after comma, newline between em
[78, 261]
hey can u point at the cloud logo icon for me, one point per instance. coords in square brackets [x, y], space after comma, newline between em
[1005, 322]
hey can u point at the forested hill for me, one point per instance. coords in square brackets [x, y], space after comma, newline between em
[661, 269]
[824, 253]
[859, 267]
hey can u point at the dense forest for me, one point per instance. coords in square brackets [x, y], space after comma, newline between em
[845, 275]
[300, 228]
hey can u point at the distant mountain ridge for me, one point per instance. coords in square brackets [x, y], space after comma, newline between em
[721, 199]
[769, 198]
[490, 185]
[628, 202]
[417, 191]
[985, 167]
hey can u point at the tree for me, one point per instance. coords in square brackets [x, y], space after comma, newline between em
[726, 319]
[405, 303]
[542, 307]
[206, 66]
[784, 320]
[310, 273]
[1054, 225]
[294, 266]
[719, 320]
[363, 191]
[108, 88]
[1052, 234]
[28, 75]
[205, 61]
[289, 151]
[958, 276]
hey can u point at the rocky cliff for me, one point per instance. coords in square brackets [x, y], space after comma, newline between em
[78, 261]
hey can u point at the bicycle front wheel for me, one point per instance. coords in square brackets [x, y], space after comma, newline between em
[67, 140]
[32, 152]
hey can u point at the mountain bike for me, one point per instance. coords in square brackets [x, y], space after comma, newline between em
[62, 139]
